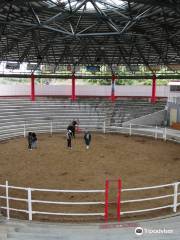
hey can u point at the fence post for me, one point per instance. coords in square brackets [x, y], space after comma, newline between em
[119, 200]
[51, 128]
[106, 201]
[165, 134]
[104, 127]
[7, 200]
[29, 204]
[175, 197]
[130, 130]
[156, 132]
[24, 129]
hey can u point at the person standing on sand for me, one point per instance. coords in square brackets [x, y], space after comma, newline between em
[69, 137]
[34, 140]
[87, 139]
[30, 140]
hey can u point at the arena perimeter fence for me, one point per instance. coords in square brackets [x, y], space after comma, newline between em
[52, 127]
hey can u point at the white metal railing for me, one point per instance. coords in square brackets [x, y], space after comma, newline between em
[30, 200]
[148, 131]
[51, 127]
[174, 196]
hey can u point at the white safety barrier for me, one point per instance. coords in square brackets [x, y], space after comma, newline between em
[51, 127]
[174, 197]
[29, 200]
[147, 131]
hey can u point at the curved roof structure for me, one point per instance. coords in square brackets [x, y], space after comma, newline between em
[90, 31]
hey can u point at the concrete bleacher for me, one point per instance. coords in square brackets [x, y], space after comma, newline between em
[60, 112]
[126, 110]
[45, 112]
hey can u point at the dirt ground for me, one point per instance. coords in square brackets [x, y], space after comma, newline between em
[138, 161]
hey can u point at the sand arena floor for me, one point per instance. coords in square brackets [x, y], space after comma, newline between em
[138, 161]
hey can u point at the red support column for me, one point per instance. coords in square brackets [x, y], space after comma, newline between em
[113, 88]
[119, 200]
[106, 201]
[153, 97]
[73, 96]
[32, 87]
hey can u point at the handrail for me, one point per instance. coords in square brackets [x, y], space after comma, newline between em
[68, 191]
[67, 203]
[69, 214]
[147, 210]
[147, 199]
[147, 188]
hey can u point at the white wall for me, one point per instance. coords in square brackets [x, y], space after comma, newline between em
[15, 90]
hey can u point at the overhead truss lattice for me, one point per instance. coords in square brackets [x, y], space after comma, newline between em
[90, 31]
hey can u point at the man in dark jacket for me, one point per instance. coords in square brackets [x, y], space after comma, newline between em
[72, 128]
[30, 140]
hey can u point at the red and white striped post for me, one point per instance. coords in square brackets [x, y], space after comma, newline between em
[119, 200]
[73, 95]
[113, 88]
[106, 201]
[32, 87]
[153, 97]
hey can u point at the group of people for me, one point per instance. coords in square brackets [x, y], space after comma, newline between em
[71, 129]
[32, 140]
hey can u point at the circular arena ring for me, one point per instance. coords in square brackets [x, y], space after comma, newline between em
[124, 175]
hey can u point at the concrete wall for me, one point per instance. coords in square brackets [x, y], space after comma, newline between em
[65, 90]
[152, 119]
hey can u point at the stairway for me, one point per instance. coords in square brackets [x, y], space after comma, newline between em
[24, 230]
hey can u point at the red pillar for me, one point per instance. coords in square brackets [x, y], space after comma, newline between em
[73, 96]
[106, 206]
[119, 200]
[153, 97]
[32, 87]
[113, 88]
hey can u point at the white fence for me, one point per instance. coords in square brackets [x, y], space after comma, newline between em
[173, 196]
[51, 127]
[29, 200]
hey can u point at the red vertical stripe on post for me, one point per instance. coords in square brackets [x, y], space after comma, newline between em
[106, 201]
[32, 87]
[153, 98]
[119, 200]
[113, 88]
[73, 96]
